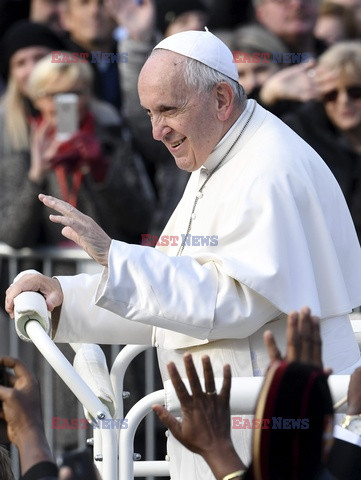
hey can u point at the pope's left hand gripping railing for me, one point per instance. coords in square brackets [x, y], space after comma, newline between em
[32, 325]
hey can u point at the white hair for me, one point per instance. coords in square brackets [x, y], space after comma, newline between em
[203, 78]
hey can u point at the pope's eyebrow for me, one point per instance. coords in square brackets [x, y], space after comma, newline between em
[162, 108]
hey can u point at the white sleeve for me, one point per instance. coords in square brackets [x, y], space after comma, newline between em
[81, 321]
[182, 294]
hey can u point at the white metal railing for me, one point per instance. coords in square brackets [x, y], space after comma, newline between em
[106, 443]
[47, 260]
[244, 393]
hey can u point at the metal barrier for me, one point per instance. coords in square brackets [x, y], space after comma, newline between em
[48, 260]
[244, 393]
[127, 467]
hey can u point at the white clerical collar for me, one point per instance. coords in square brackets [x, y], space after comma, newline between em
[221, 147]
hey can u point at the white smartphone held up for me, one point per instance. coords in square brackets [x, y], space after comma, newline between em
[67, 115]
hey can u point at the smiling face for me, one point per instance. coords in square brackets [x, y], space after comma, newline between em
[189, 124]
[343, 110]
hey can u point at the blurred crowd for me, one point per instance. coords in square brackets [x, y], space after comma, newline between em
[301, 59]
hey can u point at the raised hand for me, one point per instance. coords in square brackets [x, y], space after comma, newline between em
[43, 149]
[80, 228]
[205, 424]
[303, 340]
[296, 83]
[22, 413]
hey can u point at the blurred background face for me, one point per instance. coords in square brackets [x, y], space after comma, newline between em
[330, 29]
[22, 64]
[47, 12]
[288, 19]
[88, 22]
[355, 5]
[193, 20]
[342, 102]
[253, 75]
[45, 102]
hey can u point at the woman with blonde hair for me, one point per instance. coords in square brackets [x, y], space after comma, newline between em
[332, 125]
[96, 169]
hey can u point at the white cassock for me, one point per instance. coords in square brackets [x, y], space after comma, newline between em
[282, 238]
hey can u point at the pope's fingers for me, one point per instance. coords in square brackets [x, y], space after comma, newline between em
[49, 287]
[59, 205]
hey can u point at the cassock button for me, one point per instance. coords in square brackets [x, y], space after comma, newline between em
[193, 216]
[199, 195]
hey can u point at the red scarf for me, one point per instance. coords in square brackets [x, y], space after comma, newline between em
[76, 157]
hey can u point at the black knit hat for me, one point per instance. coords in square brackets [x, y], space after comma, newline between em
[25, 34]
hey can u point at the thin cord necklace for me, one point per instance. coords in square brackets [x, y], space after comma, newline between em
[199, 193]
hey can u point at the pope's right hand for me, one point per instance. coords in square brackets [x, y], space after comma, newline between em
[49, 287]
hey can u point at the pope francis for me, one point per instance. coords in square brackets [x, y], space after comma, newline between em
[284, 236]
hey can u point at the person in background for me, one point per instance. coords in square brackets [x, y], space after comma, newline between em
[292, 21]
[138, 21]
[24, 421]
[267, 72]
[22, 414]
[47, 12]
[89, 28]
[96, 168]
[335, 22]
[174, 16]
[355, 6]
[332, 125]
[253, 50]
[29, 164]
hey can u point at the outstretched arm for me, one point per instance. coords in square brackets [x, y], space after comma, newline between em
[205, 425]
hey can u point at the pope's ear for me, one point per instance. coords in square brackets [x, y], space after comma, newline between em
[224, 100]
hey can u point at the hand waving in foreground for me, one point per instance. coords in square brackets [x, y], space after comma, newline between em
[205, 425]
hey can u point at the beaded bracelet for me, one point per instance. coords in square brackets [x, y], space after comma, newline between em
[238, 473]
